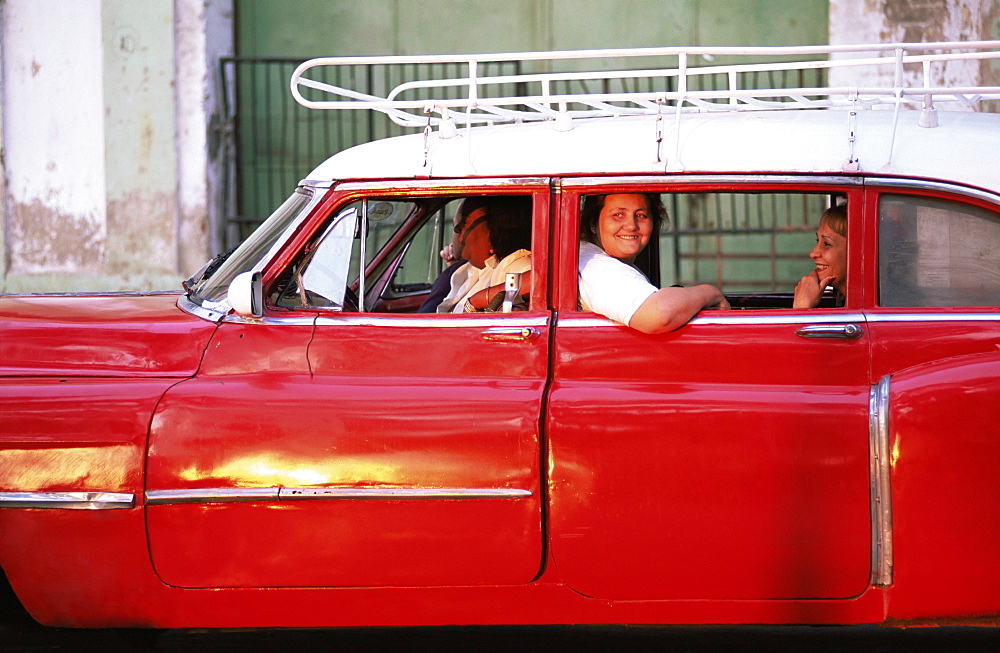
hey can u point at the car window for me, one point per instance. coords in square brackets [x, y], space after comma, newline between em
[937, 253]
[754, 246]
[400, 243]
[327, 274]
[421, 262]
[742, 242]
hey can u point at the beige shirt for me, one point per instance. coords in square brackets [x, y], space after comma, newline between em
[493, 274]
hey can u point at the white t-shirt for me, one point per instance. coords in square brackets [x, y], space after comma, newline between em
[468, 280]
[610, 287]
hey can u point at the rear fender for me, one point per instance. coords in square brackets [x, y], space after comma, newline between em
[944, 425]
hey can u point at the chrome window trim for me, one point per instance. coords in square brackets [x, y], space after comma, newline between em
[314, 199]
[269, 320]
[940, 186]
[477, 320]
[185, 304]
[572, 183]
[880, 466]
[318, 184]
[231, 495]
[397, 186]
[68, 500]
[740, 318]
[933, 317]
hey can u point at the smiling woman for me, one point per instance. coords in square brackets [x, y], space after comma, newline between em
[830, 257]
[614, 230]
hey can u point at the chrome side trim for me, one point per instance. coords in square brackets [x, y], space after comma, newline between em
[749, 317]
[735, 317]
[230, 495]
[211, 495]
[475, 321]
[879, 476]
[402, 493]
[934, 317]
[68, 500]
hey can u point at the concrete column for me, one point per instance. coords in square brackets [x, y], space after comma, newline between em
[54, 166]
[139, 142]
[203, 34]
[107, 173]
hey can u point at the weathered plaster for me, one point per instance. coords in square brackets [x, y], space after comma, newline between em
[202, 34]
[53, 130]
[45, 239]
[106, 166]
[916, 21]
[989, 71]
[4, 197]
[142, 234]
[140, 136]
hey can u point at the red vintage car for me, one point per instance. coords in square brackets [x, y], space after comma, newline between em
[289, 442]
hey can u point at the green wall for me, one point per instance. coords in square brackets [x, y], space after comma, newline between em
[280, 142]
[312, 28]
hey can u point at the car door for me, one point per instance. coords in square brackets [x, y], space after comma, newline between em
[380, 448]
[934, 316]
[728, 459]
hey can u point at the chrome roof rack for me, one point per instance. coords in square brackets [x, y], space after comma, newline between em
[908, 71]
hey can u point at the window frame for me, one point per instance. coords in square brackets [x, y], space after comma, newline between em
[343, 194]
[876, 188]
[849, 186]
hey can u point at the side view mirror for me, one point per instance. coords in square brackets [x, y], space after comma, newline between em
[246, 294]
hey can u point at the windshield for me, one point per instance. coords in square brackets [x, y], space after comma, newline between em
[212, 288]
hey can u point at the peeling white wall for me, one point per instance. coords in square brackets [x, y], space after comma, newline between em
[106, 168]
[54, 137]
[916, 21]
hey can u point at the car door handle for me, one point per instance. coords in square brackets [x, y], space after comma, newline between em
[846, 331]
[510, 334]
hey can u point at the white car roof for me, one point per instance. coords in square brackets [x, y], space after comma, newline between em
[882, 116]
[964, 147]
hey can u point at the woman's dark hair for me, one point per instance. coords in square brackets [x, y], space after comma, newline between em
[509, 221]
[590, 214]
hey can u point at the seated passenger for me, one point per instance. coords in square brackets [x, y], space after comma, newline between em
[495, 237]
[452, 255]
[830, 257]
[614, 230]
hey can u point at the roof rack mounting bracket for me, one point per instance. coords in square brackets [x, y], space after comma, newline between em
[852, 164]
[928, 114]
